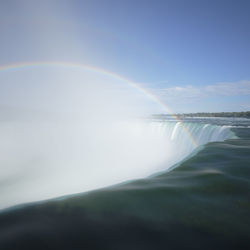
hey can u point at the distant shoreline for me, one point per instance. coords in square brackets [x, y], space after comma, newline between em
[212, 114]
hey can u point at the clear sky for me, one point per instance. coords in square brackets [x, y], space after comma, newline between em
[194, 55]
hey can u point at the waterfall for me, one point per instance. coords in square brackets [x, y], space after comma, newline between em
[181, 139]
[46, 160]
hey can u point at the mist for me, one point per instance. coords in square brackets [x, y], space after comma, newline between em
[67, 130]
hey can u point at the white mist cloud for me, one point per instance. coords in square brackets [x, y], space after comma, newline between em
[66, 130]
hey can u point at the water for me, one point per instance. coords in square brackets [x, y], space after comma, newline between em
[198, 199]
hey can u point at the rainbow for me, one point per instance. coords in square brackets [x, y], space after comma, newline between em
[147, 93]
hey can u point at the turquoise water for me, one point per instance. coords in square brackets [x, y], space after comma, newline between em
[203, 202]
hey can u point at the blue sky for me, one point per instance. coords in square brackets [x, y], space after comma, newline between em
[193, 55]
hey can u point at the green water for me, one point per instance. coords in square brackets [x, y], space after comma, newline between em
[203, 203]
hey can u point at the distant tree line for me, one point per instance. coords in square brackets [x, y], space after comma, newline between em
[204, 114]
[220, 114]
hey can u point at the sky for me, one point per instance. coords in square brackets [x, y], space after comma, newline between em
[193, 56]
